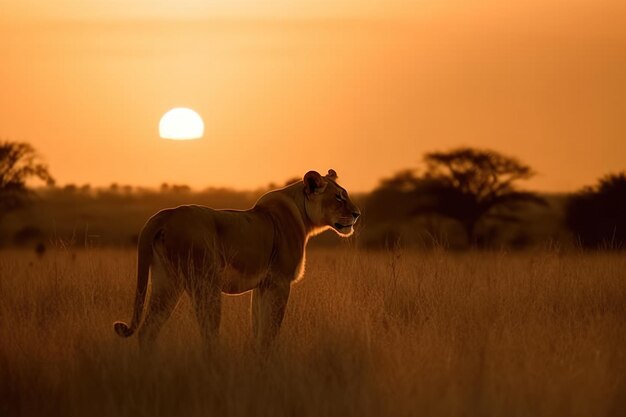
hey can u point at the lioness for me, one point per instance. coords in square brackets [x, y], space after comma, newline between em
[206, 252]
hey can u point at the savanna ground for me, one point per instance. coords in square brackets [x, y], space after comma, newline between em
[390, 333]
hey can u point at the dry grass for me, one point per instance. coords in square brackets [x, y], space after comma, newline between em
[366, 334]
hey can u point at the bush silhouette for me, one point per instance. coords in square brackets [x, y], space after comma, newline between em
[597, 214]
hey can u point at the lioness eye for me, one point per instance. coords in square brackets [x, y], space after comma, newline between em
[338, 197]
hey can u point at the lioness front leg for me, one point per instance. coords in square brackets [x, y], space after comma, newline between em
[269, 302]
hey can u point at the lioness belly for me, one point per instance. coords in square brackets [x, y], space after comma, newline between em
[237, 282]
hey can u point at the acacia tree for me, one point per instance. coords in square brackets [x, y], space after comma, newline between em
[471, 185]
[19, 163]
[597, 215]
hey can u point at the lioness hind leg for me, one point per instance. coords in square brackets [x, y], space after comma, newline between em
[166, 292]
[207, 303]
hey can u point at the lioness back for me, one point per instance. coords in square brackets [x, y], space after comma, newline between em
[202, 234]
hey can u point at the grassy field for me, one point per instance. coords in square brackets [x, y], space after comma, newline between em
[394, 333]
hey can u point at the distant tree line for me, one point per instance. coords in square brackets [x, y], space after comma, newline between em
[467, 196]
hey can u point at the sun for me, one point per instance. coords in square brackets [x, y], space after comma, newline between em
[181, 123]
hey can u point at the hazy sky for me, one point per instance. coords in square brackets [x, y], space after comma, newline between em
[363, 87]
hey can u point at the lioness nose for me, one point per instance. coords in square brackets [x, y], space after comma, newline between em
[356, 214]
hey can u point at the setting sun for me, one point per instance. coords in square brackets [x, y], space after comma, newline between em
[181, 124]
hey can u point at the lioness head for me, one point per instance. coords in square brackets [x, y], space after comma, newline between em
[327, 204]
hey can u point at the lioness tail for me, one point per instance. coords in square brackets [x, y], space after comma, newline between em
[144, 260]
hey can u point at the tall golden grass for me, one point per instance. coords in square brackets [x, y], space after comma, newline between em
[394, 333]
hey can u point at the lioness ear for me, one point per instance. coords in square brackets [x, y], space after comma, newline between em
[332, 174]
[314, 183]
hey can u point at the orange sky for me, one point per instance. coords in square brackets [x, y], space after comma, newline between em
[292, 86]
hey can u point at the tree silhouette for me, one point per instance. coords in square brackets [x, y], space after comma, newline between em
[472, 185]
[19, 162]
[597, 215]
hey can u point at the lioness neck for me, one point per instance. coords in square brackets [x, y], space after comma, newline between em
[289, 202]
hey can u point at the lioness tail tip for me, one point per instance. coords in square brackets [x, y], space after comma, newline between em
[122, 329]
